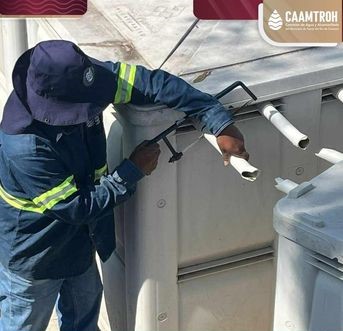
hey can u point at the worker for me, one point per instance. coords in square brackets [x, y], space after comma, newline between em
[56, 194]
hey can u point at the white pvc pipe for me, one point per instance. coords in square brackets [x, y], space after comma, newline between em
[297, 138]
[338, 93]
[245, 169]
[285, 185]
[330, 155]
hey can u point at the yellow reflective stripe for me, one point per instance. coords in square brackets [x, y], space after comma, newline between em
[121, 78]
[126, 80]
[131, 82]
[100, 172]
[19, 203]
[61, 197]
[45, 201]
[54, 191]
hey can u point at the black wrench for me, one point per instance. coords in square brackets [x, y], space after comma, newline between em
[163, 135]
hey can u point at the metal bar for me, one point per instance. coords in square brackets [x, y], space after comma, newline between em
[167, 131]
[217, 96]
[241, 260]
[187, 73]
[232, 87]
[183, 38]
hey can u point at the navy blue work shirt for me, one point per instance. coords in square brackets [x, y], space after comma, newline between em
[56, 196]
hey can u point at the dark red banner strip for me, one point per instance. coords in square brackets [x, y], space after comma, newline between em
[43, 7]
[226, 9]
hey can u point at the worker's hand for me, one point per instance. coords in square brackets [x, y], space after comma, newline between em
[231, 142]
[145, 157]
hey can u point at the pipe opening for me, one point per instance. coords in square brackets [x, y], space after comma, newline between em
[304, 143]
[251, 176]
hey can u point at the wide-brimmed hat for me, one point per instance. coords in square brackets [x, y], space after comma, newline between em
[56, 83]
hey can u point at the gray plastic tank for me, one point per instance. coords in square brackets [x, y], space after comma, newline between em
[309, 287]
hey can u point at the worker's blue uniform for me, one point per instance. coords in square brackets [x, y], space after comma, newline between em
[56, 197]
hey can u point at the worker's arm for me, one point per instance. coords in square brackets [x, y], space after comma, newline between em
[138, 85]
[50, 188]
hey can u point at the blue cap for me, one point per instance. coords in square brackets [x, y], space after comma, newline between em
[56, 83]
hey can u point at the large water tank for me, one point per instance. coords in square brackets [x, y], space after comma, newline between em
[309, 287]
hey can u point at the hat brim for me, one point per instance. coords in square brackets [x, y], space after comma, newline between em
[55, 112]
[58, 112]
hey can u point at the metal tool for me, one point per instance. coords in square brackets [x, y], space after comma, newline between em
[163, 135]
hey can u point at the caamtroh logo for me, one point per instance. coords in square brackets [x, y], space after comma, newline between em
[275, 21]
[301, 22]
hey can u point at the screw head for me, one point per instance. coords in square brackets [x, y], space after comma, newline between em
[161, 203]
[162, 317]
[299, 171]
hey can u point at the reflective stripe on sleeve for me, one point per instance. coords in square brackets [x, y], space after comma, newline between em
[45, 201]
[55, 192]
[19, 203]
[126, 79]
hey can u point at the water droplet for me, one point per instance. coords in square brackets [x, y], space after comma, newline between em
[275, 21]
